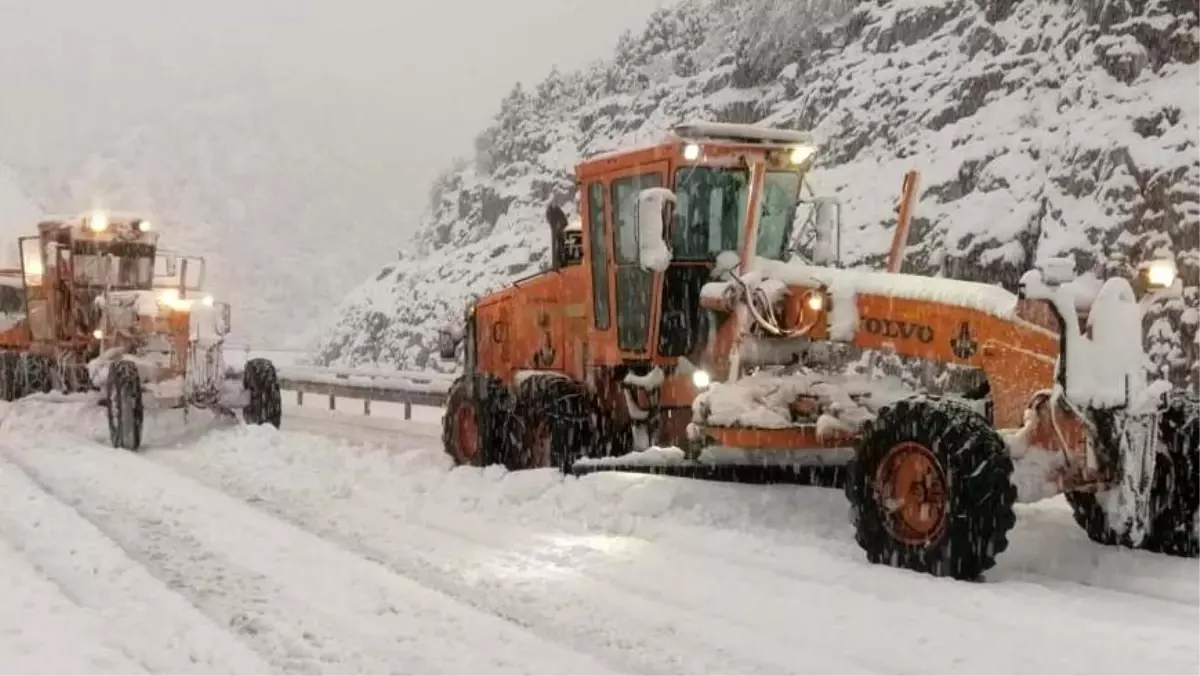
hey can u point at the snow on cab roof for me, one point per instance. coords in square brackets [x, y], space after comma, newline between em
[699, 130]
[80, 217]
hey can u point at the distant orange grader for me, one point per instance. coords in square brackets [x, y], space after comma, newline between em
[95, 305]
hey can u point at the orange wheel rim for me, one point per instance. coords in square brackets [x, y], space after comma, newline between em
[468, 433]
[911, 489]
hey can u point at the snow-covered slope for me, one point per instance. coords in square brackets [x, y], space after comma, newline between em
[284, 140]
[1041, 129]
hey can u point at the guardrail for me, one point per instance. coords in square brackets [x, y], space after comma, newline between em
[399, 387]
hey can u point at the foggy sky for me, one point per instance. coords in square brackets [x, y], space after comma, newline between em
[418, 78]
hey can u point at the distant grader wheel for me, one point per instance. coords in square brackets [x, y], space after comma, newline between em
[261, 383]
[123, 397]
[1175, 497]
[37, 373]
[930, 489]
[551, 424]
[11, 387]
[472, 423]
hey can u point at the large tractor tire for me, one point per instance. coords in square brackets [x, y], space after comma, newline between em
[261, 383]
[930, 489]
[473, 421]
[11, 384]
[551, 426]
[123, 397]
[37, 372]
[1175, 493]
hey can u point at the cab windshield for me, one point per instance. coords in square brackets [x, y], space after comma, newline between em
[124, 272]
[711, 208]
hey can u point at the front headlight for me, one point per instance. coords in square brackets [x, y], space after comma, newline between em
[815, 301]
[170, 298]
[701, 379]
[801, 153]
[98, 222]
[1160, 274]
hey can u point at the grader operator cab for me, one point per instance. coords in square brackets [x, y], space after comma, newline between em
[96, 305]
[703, 327]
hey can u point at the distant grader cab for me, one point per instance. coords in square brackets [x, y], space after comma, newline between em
[702, 322]
[96, 305]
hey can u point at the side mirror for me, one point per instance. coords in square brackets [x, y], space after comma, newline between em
[1058, 271]
[557, 219]
[653, 252]
[448, 340]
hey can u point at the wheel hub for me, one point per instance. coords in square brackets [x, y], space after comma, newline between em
[911, 488]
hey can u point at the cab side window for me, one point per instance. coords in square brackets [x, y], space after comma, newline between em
[598, 241]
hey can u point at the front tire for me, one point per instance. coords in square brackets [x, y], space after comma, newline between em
[930, 489]
[551, 424]
[473, 421]
[261, 383]
[11, 388]
[1175, 492]
[123, 394]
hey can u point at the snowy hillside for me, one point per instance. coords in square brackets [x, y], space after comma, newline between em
[1040, 128]
[284, 140]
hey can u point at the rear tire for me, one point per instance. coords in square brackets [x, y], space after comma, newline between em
[123, 394]
[930, 489]
[261, 383]
[551, 424]
[473, 421]
[11, 388]
[37, 372]
[1176, 489]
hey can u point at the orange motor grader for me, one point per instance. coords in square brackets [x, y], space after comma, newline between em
[96, 305]
[690, 318]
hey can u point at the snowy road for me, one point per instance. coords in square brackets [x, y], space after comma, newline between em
[335, 546]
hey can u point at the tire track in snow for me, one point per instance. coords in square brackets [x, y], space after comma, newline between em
[626, 621]
[978, 623]
[151, 625]
[310, 605]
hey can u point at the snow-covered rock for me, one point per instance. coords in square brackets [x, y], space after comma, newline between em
[1042, 130]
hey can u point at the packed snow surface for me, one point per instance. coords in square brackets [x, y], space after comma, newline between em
[227, 549]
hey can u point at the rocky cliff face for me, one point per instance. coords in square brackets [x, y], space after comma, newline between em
[1041, 129]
